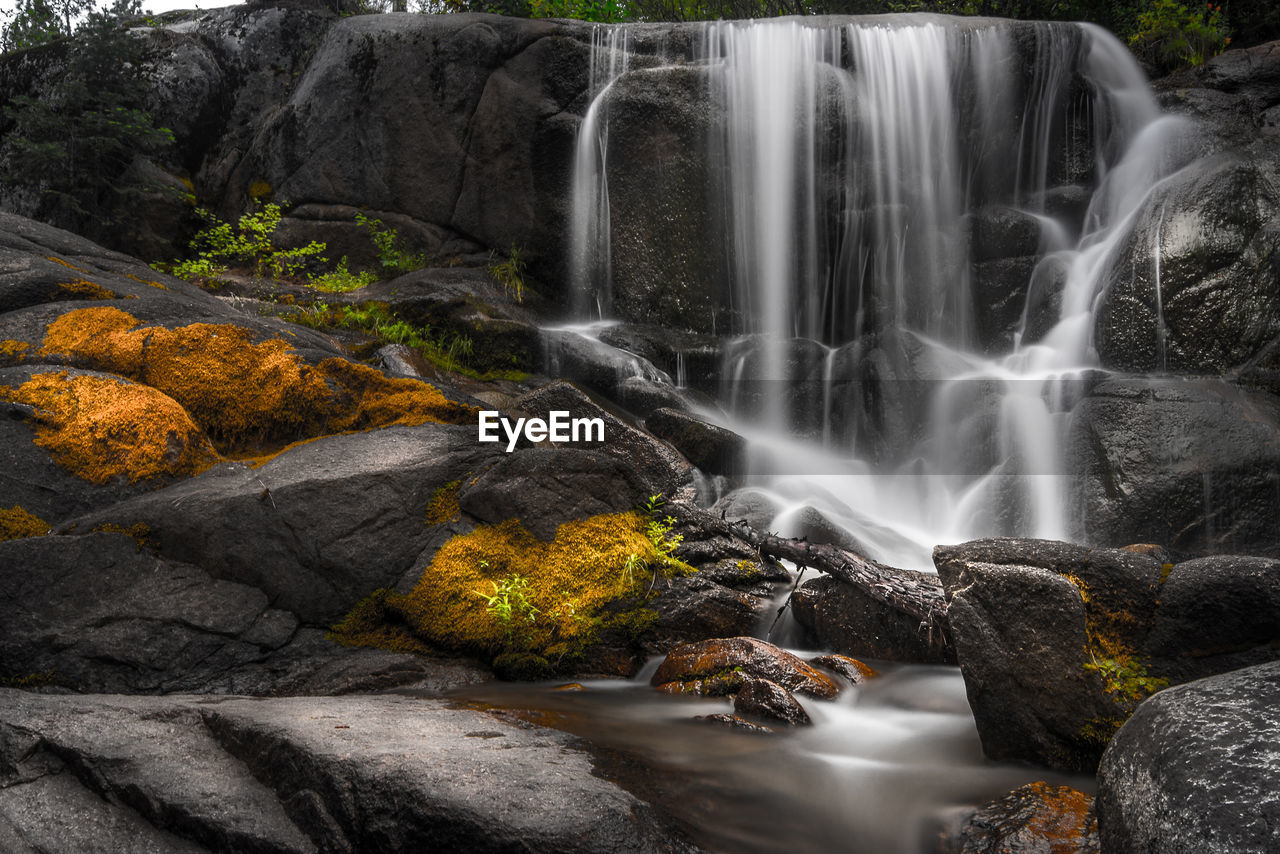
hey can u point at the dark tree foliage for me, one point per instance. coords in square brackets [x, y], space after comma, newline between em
[72, 143]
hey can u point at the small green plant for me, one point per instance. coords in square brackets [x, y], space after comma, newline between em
[509, 272]
[340, 279]
[658, 530]
[220, 245]
[1171, 35]
[509, 604]
[394, 258]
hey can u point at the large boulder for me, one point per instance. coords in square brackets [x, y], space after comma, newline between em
[302, 526]
[301, 775]
[1191, 464]
[1197, 769]
[1059, 643]
[1196, 286]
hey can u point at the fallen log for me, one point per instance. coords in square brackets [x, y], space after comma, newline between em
[918, 595]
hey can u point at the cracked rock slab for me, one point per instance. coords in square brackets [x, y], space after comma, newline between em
[302, 774]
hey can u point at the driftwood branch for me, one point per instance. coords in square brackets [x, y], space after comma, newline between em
[918, 595]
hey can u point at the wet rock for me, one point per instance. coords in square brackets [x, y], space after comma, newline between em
[695, 608]
[1000, 289]
[1059, 643]
[1197, 769]
[762, 700]
[658, 122]
[304, 775]
[1215, 614]
[568, 355]
[732, 661]
[752, 506]
[708, 446]
[1031, 819]
[1216, 302]
[643, 396]
[735, 722]
[850, 668]
[1192, 464]
[1023, 639]
[1000, 232]
[842, 618]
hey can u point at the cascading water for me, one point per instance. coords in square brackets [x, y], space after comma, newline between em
[854, 164]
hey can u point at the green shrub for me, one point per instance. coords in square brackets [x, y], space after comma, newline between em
[221, 245]
[394, 258]
[1171, 36]
[340, 279]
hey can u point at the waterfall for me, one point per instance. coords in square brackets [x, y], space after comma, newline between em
[918, 212]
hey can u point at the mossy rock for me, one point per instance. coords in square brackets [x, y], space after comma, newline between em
[530, 605]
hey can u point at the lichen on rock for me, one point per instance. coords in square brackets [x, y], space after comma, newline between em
[103, 428]
[16, 523]
[244, 394]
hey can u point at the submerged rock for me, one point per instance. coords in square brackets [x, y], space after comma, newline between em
[1196, 770]
[762, 700]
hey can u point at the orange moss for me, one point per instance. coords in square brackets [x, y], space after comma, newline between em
[245, 394]
[443, 506]
[1064, 821]
[150, 282]
[567, 583]
[100, 429]
[260, 190]
[140, 533]
[260, 460]
[13, 351]
[16, 523]
[84, 289]
[67, 264]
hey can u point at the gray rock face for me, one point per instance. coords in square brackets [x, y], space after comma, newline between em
[301, 775]
[302, 526]
[1197, 769]
[1031, 819]
[1190, 464]
[100, 613]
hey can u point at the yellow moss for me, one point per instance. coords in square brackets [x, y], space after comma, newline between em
[140, 533]
[13, 351]
[245, 394]
[67, 264]
[100, 429]
[260, 190]
[150, 282]
[28, 681]
[443, 506]
[1165, 570]
[16, 523]
[84, 289]
[568, 583]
